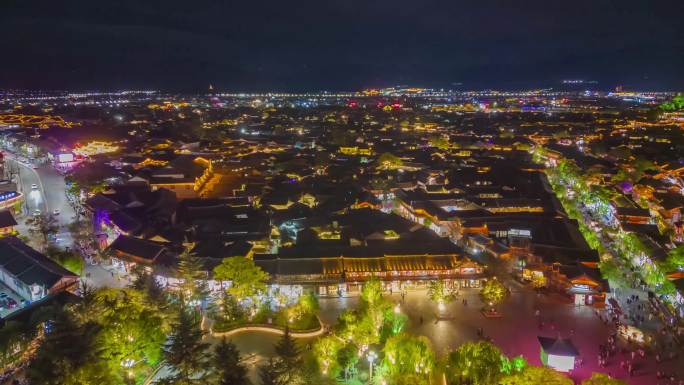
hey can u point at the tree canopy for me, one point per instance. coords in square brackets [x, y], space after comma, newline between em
[493, 291]
[409, 355]
[247, 279]
[535, 375]
[476, 363]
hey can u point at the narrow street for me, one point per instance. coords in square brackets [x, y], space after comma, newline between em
[48, 197]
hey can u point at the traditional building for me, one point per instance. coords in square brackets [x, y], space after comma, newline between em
[29, 273]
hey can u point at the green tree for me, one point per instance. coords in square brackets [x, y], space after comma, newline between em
[286, 349]
[534, 375]
[347, 358]
[247, 279]
[147, 284]
[185, 351]
[271, 373]
[476, 363]
[133, 330]
[371, 291]
[439, 292]
[69, 355]
[675, 258]
[326, 350]
[409, 356]
[388, 160]
[602, 379]
[512, 365]
[493, 292]
[287, 367]
[226, 365]
[439, 142]
[675, 104]
[193, 276]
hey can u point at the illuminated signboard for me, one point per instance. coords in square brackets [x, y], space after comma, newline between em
[8, 195]
[65, 158]
[520, 233]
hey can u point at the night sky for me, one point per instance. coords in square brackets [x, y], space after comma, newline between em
[254, 45]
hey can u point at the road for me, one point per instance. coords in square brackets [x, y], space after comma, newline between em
[49, 196]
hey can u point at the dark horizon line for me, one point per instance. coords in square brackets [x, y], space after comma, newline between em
[195, 91]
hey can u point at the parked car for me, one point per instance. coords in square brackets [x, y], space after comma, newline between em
[11, 303]
[55, 212]
[34, 187]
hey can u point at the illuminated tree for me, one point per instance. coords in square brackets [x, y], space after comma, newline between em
[476, 363]
[439, 142]
[534, 375]
[611, 271]
[69, 355]
[371, 291]
[394, 321]
[347, 358]
[512, 365]
[675, 258]
[326, 350]
[388, 160]
[538, 281]
[602, 379]
[677, 103]
[247, 279]
[309, 302]
[439, 292]
[132, 331]
[493, 291]
[408, 357]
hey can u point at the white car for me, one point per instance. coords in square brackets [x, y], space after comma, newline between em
[36, 213]
[55, 212]
[34, 187]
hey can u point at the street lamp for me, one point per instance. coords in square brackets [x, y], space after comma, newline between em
[371, 357]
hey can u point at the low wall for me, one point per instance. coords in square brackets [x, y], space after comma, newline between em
[273, 330]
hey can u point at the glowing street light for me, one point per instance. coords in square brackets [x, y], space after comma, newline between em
[371, 357]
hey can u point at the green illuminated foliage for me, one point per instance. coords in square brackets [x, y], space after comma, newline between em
[408, 355]
[493, 291]
[247, 279]
[602, 379]
[534, 375]
[477, 363]
[439, 292]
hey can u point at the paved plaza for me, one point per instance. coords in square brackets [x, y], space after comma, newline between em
[516, 332]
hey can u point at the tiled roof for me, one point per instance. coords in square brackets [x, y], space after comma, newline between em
[28, 265]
